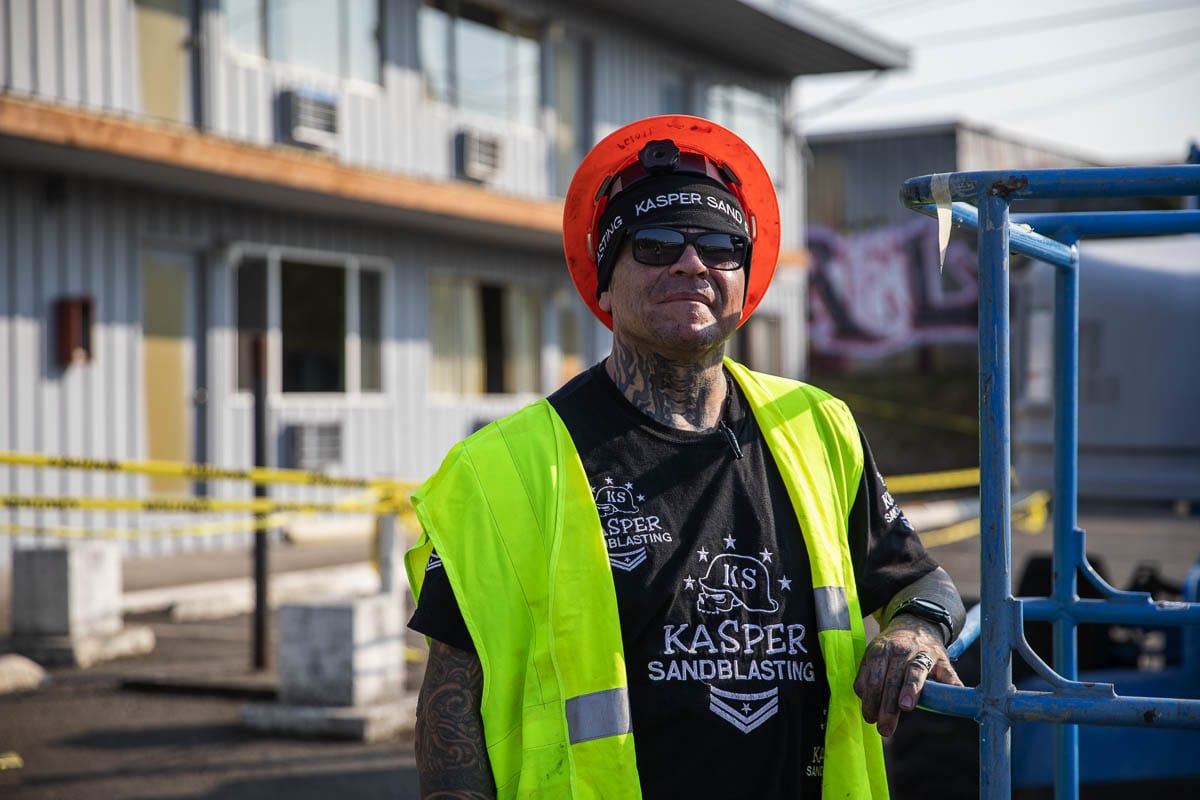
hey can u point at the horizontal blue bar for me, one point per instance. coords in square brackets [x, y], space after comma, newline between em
[968, 634]
[1127, 712]
[1034, 245]
[1112, 223]
[1036, 184]
[1130, 712]
[1148, 613]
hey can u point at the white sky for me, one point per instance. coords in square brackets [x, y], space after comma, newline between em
[1117, 81]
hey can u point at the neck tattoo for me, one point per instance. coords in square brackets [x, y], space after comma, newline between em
[689, 396]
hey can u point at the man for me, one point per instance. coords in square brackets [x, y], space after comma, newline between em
[652, 583]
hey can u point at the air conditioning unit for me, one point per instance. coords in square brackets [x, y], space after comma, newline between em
[313, 447]
[478, 155]
[309, 118]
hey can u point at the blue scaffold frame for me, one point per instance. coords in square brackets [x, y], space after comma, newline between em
[981, 201]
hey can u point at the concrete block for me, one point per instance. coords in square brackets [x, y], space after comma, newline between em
[70, 591]
[341, 652]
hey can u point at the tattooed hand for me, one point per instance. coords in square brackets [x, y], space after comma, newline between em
[452, 758]
[894, 669]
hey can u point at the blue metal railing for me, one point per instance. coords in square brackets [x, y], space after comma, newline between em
[981, 201]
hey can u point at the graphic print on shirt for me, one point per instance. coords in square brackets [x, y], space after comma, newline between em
[738, 637]
[627, 528]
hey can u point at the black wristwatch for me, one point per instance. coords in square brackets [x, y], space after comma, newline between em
[929, 611]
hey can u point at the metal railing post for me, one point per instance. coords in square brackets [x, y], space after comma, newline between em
[1068, 539]
[994, 499]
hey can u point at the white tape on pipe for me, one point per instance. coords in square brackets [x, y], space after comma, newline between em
[939, 184]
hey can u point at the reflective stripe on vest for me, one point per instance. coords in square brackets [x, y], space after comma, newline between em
[599, 714]
[832, 612]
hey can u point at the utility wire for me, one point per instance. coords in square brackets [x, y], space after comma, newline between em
[1170, 73]
[1039, 24]
[843, 98]
[892, 7]
[1088, 60]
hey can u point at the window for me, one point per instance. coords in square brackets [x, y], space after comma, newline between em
[480, 60]
[754, 116]
[335, 37]
[484, 338]
[315, 331]
[313, 327]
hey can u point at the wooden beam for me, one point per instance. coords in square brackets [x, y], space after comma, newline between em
[185, 148]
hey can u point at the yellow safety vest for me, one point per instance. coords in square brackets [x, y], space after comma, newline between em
[512, 517]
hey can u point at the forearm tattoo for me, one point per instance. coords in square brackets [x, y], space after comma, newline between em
[681, 395]
[452, 758]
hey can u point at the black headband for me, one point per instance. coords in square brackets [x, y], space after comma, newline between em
[685, 200]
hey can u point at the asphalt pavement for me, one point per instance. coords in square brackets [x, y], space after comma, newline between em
[167, 725]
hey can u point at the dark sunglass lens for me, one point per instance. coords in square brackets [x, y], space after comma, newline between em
[657, 246]
[720, 249]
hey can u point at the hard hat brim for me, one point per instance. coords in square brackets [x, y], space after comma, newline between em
[719, 144]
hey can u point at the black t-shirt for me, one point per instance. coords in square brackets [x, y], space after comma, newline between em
[726, 680]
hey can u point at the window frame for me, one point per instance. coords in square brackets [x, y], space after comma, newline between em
[262, 56]
[352, 265]
[511, 24]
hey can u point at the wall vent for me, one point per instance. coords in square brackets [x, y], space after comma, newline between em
[313, 446]
[309, 118]
[478, 155]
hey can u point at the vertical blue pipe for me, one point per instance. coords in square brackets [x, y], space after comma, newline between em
[995, 774]
[1068, 540]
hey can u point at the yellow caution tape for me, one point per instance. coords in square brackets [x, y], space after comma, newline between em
[273, 520]
[933, 481]
[1029, 515]
[193, 505]
[10, 761]
[202, 471]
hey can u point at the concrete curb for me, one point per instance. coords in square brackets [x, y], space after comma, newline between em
[359, 723]
[233, 596]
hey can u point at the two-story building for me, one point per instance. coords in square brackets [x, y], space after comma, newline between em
[374, 186]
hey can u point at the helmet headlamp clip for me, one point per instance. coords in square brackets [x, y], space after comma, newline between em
[659, 156]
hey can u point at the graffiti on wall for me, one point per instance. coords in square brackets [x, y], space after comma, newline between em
[879, 291]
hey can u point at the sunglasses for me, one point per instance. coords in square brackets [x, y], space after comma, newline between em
[658, 247]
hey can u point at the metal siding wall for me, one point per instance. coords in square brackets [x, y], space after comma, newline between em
[979, 150]
[870, 166]
[79, 52]
[19, 43]
[71, 47]
[8, 324]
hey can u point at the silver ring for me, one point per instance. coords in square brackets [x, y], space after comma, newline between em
[923, 661]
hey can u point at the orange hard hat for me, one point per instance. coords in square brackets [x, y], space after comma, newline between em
[723, 157]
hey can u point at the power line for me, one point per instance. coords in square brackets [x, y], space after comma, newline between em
[844, 98]
[1056, 67]
[1172, 72]
[1039, 24]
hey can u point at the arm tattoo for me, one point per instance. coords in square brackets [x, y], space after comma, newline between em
[452, 758]
[687, 396]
